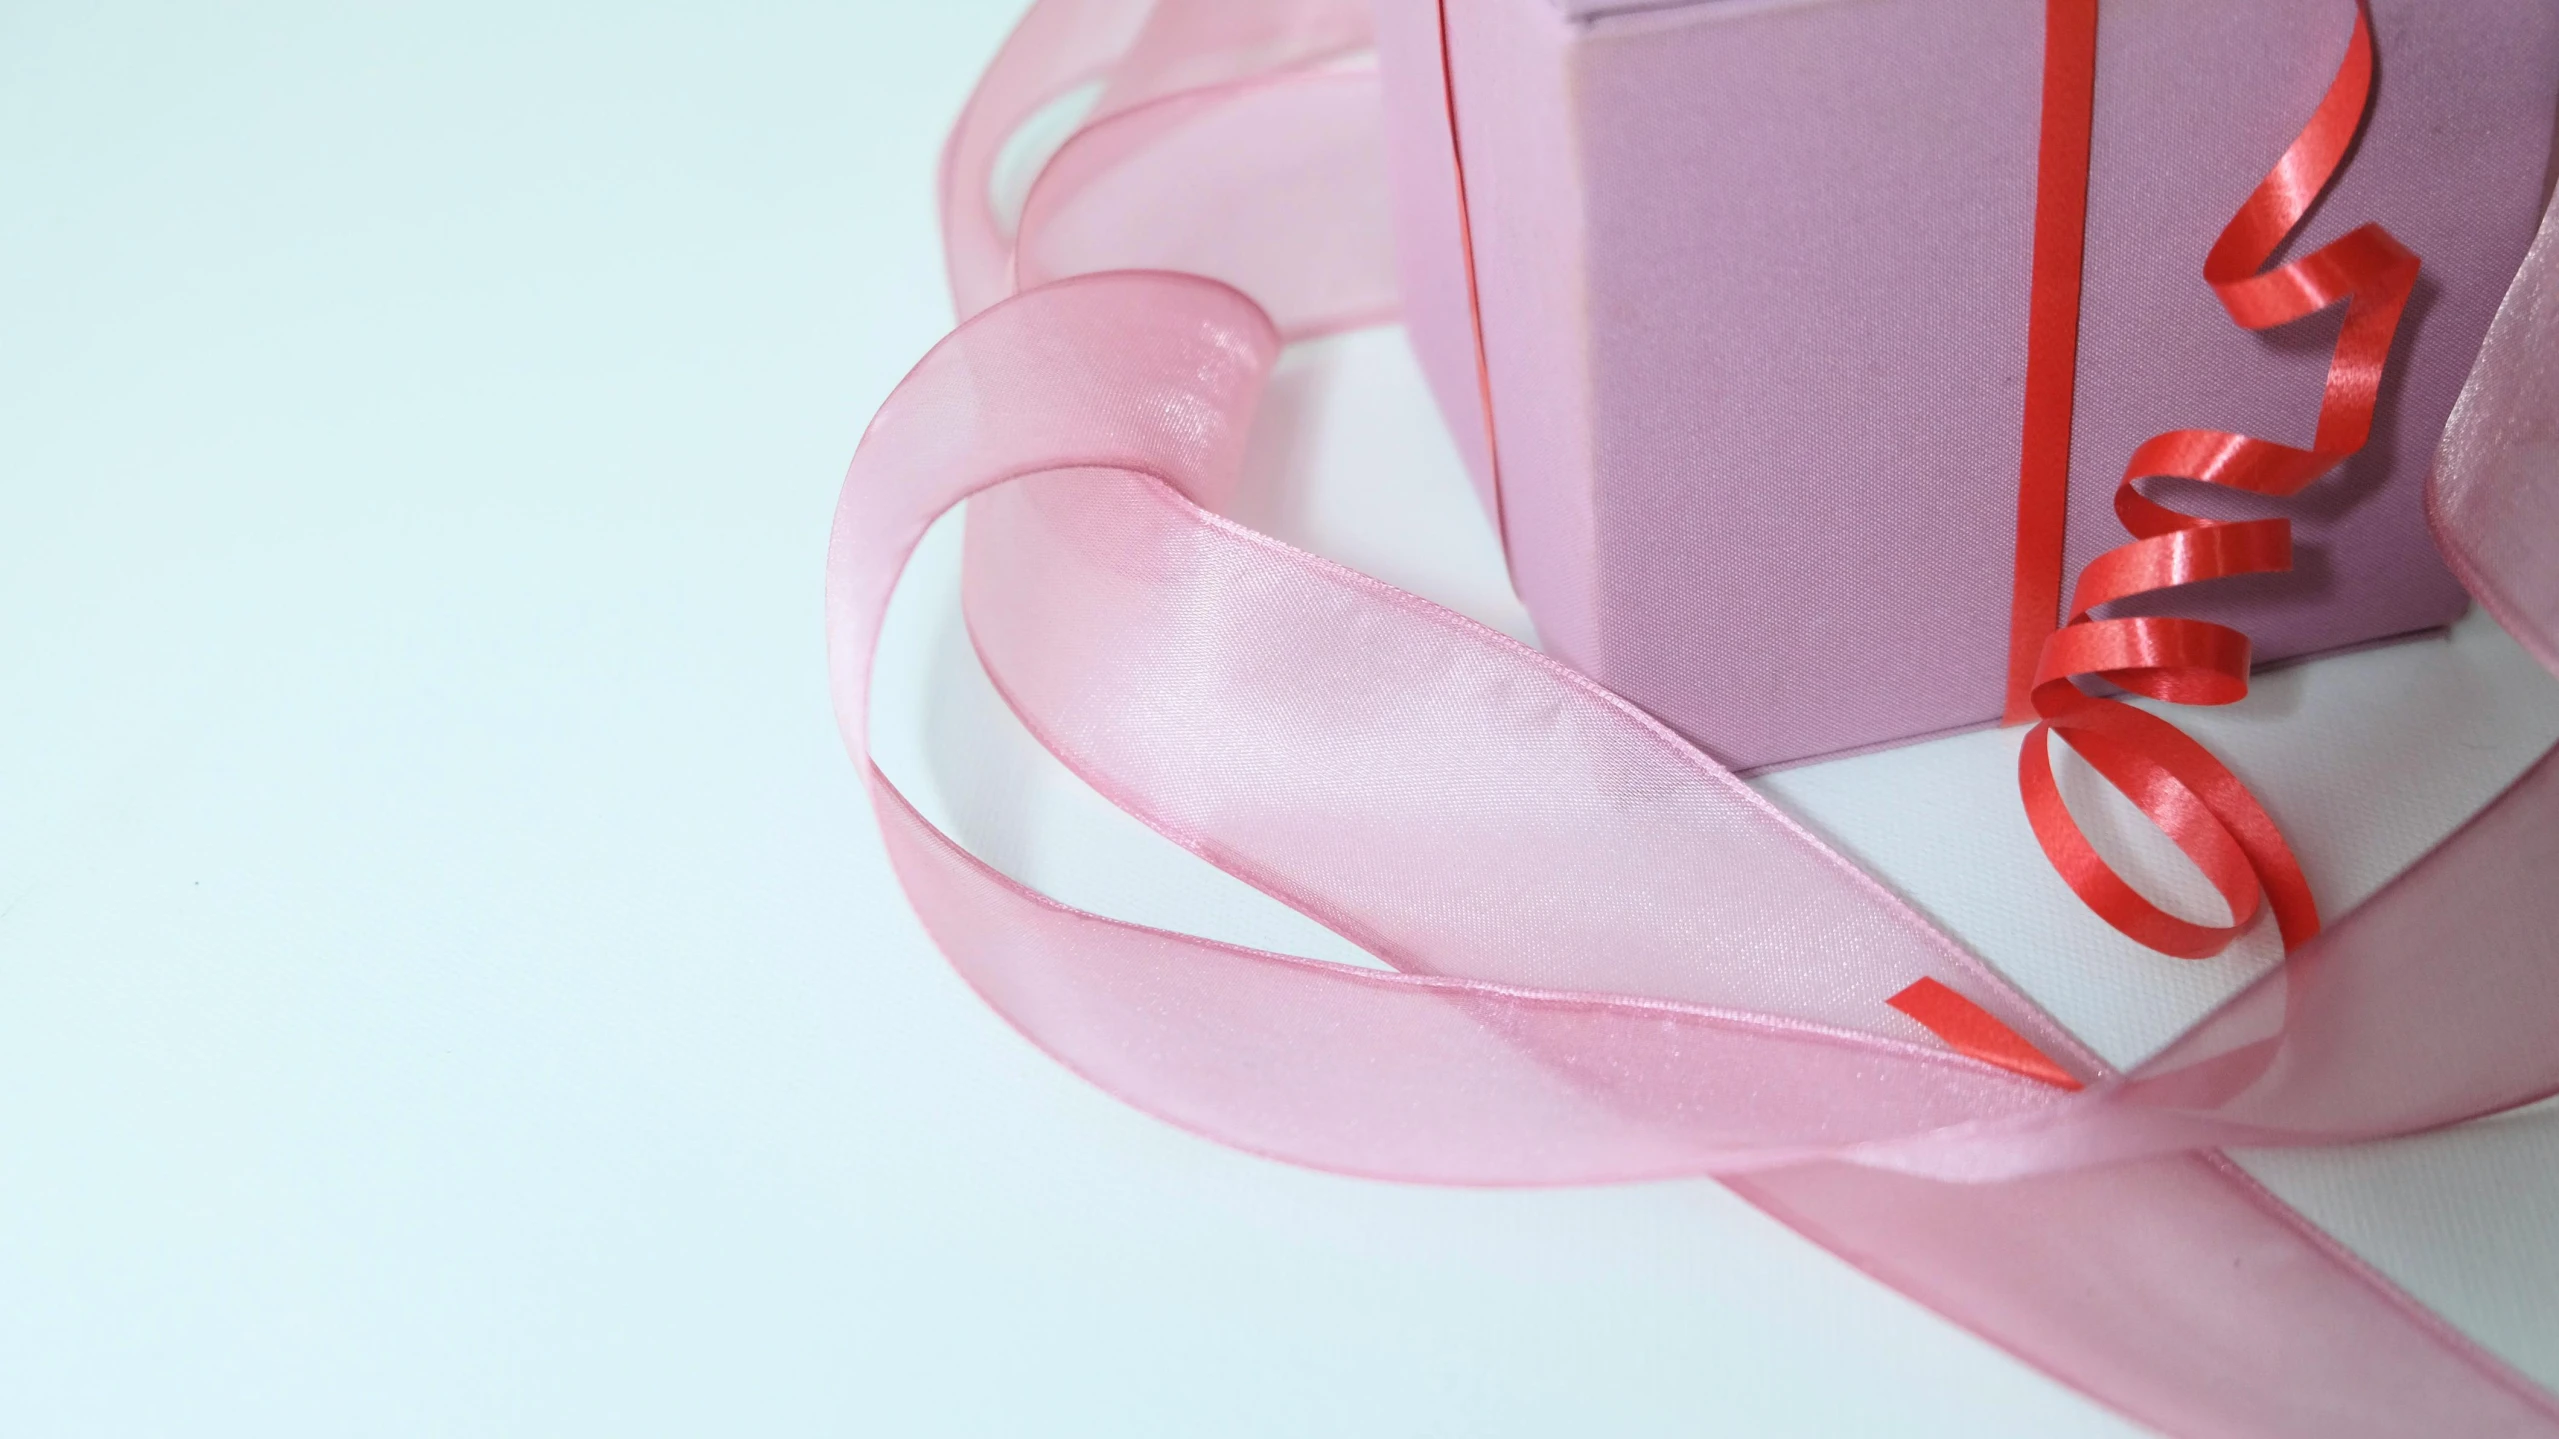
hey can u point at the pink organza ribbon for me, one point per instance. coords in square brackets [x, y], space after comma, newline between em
[1611, 960]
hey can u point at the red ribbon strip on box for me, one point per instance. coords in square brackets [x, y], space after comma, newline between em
[2190, 795]
[2052, 341]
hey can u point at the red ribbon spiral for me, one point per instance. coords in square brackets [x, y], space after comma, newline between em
[2191, 796]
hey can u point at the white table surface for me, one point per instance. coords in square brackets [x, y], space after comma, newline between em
[448, 980]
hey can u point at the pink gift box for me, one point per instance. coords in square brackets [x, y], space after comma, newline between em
[1753, 277]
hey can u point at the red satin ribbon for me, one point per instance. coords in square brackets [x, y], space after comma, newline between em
[2191, 796]
[1971, 1030]
[2052, 340]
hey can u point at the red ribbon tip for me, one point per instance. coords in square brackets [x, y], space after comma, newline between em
[1976, 1033]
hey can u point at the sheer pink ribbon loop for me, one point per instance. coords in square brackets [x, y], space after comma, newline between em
[1135, 377]
[1138, 53]
[2493, 499]
[1624, 964]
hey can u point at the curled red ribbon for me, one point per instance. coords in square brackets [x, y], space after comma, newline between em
[2191, 796]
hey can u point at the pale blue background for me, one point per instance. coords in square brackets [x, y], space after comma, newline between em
[448, 982]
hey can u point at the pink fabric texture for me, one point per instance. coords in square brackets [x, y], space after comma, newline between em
[2496, 479]
[1665, 203]
[1611, 960]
